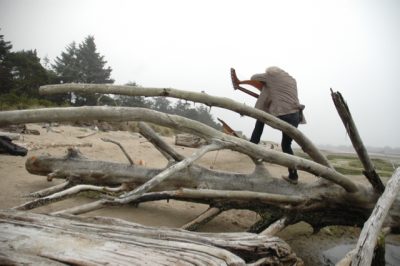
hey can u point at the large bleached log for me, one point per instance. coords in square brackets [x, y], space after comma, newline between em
[204, 98]
[54, 240]
[303, 200]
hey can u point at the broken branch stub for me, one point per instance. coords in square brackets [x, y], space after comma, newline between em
[344, 113]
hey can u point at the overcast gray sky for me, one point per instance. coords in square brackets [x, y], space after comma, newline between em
[350, 46]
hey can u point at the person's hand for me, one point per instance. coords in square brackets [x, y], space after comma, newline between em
[235, 80]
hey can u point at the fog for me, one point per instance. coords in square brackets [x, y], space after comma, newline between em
[349, 46]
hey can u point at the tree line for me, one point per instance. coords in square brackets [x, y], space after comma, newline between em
[22, 73]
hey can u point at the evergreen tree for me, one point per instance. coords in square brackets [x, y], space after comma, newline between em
[66, 66]
[92, 64]
[6, 80]
[27, 73]
[83, 64]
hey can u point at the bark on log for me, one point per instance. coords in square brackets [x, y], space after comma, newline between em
[98, 240]
[226, 103]
[189, 140]
[345, 115]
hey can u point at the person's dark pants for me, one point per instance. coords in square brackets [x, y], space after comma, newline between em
[294, 120]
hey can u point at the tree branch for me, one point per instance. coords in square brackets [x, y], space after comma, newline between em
[50, 190]
[345, 115]
[121, 147]
[66, 194]
[167, 151]
[202, 219]
[136, 193]
[204, 98]
[274, 228]
[167, 173]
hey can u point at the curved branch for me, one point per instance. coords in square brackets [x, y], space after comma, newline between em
[66, 194]
[204, 98]
[50, 190]
[121, 147]
[174, 121]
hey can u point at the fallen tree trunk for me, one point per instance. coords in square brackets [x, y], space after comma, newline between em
[301, 202]
[98, 240]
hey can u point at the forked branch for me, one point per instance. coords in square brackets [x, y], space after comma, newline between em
[136, 193]
[121, 147]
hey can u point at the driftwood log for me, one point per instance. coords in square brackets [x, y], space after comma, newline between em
[334, 199]
[48, 240]
[188, 140]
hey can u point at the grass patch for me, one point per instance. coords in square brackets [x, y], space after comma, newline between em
[351, 165]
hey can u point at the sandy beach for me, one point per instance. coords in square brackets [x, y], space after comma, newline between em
[16, 183]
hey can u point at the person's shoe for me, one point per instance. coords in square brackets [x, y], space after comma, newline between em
[290, 180]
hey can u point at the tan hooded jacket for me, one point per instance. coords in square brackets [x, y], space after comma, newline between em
[279, 94]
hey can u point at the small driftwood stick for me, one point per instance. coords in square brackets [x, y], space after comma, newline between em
[274, 228]
[167, 151]
[368, 238]
[50, 190]
[202, 219]
[121, 147]
[86, 135]
[66, 194]
[345, 115]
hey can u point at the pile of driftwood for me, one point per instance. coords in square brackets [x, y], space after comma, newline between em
[332, 200]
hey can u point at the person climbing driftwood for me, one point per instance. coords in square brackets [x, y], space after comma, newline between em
[278, 96]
